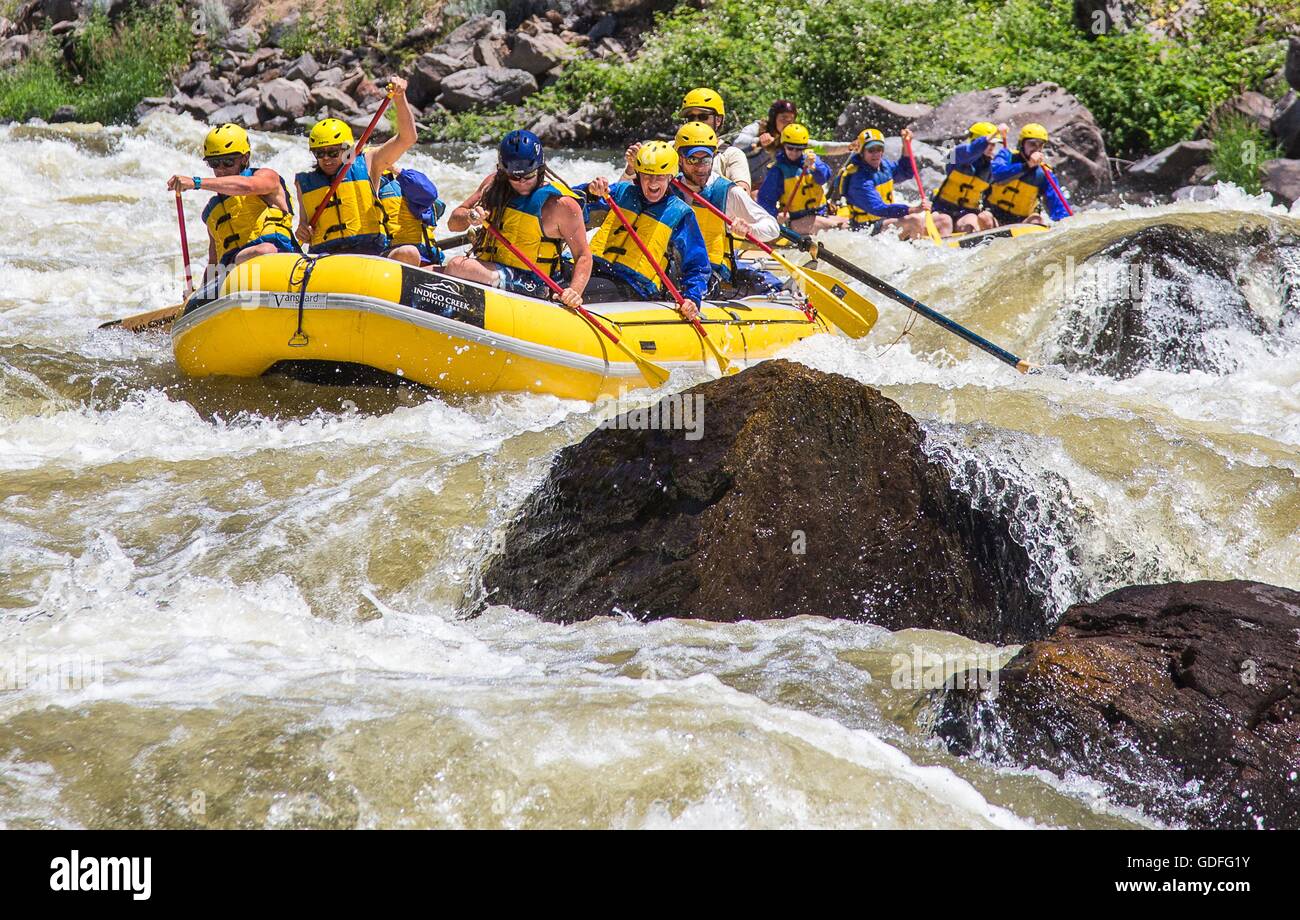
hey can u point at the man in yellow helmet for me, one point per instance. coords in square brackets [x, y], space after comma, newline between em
[353, 219]
[662, 221]
[1020, 183]
[705, 106]
[697, 145]
[867, 186]
[249, 213]
[959, 201]
[795, 185]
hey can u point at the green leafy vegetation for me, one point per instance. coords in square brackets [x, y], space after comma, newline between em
[355, 24]
[1240, 149]
[1146, 92]
[105, 73]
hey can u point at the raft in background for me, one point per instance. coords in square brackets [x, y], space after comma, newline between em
[453, 335]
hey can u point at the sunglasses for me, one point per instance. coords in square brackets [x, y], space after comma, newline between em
[699, 114]
[224, 162]
[522, 177]
[699, 159]
[792, 149]
[329, 153]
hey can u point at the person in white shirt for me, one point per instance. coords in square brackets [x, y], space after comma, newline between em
[706, 106]
[697, 148]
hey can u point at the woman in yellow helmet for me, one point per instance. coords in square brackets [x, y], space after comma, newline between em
[249, 213]
[662, 221]
[795, 185]
[1020, 183]
[353, 221]
[705, 106]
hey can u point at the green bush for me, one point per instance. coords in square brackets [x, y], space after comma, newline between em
[109, 70]
[355, 24]
[1145, 93]
[1240, 149]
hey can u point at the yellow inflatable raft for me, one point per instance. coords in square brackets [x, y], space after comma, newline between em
[453, 335]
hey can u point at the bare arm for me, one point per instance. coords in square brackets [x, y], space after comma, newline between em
[459, 219]
[562, 217]
[387, 154]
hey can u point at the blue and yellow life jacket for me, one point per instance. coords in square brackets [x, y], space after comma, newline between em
[965, 186]
[353, 215]
[1017, 197]
[722, 250]
[520, 222]
[884, 182]
[234, 221]
[801, 194]
[653, 223]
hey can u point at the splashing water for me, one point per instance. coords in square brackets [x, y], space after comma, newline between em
[234, 603]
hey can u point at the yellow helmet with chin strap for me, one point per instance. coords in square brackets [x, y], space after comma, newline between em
[703, 98]
[224, 140]
[1033, 132]
[329, 132]
[983, 129]
[695, 134]
[656, 158]
[795, 135]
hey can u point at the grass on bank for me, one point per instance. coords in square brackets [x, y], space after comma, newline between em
[105, 73]
[1146, 93]
[1240, 150]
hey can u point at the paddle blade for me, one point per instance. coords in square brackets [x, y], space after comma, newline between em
[855, 301]
[143, 322]
[931, 229]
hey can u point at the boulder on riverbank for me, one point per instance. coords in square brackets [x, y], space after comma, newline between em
[802, 493]
[1182, 699]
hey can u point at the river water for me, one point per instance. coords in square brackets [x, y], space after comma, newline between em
[241, 603]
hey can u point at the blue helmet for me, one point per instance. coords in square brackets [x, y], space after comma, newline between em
[520, 153]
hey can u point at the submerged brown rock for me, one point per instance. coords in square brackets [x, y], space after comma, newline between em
[806, 493]
[1183, 699]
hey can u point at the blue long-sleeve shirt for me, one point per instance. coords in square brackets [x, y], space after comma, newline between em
[861, 188]
[772, 191]
[686, 240]
[1014, 167]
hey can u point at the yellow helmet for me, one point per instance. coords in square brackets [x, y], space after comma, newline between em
[1033, 132]
[695, 134]
[225, 139]
[869, 135]
[329, 131]
[983, 129]
[704, 98]
[794, 135]
[656, 158]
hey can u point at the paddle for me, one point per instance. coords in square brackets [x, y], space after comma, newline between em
[349, 160]
[723, 364]
[884, 287]
[832, 306]
[154, 318]
[930, 228]
[653, 373]
[1056, 188]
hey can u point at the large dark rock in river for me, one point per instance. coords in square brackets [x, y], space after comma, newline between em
[1182, 699]
[806, 493]
[1167, 297]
